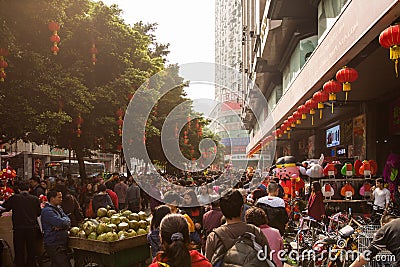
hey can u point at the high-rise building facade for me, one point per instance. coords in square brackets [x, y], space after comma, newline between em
[228, 80]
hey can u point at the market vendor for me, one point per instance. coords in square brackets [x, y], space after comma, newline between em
[55, 225]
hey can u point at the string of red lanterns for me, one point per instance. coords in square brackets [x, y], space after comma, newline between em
[120, 121]
[93, 51]
[55, 38]
[390, 38]
[79, 122]
[3, 63]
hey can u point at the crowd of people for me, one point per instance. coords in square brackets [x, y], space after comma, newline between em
[193, 226]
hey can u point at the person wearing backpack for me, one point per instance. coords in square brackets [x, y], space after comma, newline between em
[236, 243]
[175, 243]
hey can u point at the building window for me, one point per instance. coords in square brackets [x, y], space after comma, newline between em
[328, 11]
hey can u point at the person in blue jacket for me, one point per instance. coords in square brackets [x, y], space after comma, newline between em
[55, 224]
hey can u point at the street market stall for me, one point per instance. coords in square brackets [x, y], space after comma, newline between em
[132, 251]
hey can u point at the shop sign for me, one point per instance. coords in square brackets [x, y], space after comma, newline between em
[360, 136]
[341, 152]
[58, 151]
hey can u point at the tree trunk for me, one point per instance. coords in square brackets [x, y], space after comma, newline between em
[79, 157]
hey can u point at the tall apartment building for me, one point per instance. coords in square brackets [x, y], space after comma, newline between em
[228, 79]
[301, 45]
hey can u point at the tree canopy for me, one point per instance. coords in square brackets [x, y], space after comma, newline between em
[100, 64]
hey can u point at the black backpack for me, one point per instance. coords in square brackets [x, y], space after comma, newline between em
[245, 252]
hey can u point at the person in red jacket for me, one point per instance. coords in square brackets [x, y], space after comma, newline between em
[175, 243]
[114, 198]
[315, 207]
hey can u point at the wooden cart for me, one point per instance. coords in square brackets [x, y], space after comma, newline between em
[132, 252]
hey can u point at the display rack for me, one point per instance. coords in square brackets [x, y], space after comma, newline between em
[346, 202]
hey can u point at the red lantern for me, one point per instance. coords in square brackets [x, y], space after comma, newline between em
[292, 121]
[54, 26]
[3, 75]
[287, 125]
[120, 122]
[311, 105]
[332, 87]
[279, 132]
[346, 76]
[93, 50]
[55, 49]
[119, 112]
[55, 39]
[390, 38]
[297, 116]
[303, 110]
[320, 97]
[78, 132]
[3, 63]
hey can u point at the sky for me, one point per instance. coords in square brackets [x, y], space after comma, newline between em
[187, 25]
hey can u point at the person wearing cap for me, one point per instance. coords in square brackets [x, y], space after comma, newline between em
[175, 243]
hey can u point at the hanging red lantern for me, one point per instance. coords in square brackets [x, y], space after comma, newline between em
[297, 116]
[303, 110]
[291, 120]
[390, 38]
[120, 121]
[3, 63]
[311, 105]
[93, 51]
[79, 122]
[320, 97]
[279, 132]
[119, 112]
[287, 125]
[55, 39]
[346, 76]
[332, 87]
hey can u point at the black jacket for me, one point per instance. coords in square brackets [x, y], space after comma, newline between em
[277, 216]
[101, 201]
[26, 209]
